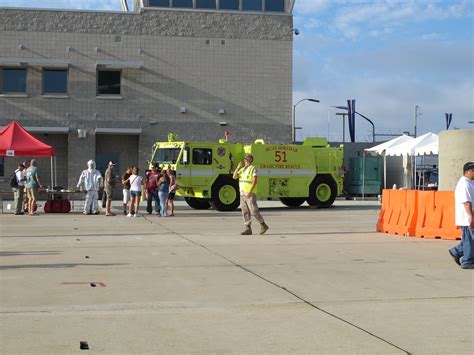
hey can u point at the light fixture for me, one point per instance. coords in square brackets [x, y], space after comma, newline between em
[223, 123]
[81, 133]
[182, 109]
[20, 47]
[221, 111]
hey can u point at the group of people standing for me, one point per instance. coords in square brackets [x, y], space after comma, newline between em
[157, 185]
[25, 183]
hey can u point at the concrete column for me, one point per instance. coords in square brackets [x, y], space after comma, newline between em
[80, 150]
[455, 149]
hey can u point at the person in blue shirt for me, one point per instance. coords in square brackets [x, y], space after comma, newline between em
[33, 183]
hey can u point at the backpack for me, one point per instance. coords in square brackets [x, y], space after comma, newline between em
[13, 181]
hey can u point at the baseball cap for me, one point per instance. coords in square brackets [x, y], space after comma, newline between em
[112, 163]
[468, 166]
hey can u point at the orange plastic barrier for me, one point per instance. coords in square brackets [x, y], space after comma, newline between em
[424, 214]
[438, 216]
[402, 220]
[385, 211]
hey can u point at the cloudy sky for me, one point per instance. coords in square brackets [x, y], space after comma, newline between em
[388, 55]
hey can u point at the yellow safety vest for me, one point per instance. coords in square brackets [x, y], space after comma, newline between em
[246, 179]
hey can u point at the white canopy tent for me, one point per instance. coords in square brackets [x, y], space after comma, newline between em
[410, 147]
[428, 149]
[406, 146]
[381, 149]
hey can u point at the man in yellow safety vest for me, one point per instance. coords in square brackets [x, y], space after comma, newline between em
[247, 176]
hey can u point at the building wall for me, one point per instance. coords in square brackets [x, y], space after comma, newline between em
[201, 60]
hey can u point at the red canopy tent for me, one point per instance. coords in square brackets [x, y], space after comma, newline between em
[15, 141]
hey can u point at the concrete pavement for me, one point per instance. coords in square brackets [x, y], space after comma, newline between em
[320, 281]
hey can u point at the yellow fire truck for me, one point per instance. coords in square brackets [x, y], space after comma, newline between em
[311, 172]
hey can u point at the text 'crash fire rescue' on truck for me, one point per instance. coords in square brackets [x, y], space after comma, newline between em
[311, 172]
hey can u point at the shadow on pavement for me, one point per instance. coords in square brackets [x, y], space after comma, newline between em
[53, 266]
[33, 253]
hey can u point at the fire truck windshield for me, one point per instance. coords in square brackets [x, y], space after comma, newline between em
[166, 155]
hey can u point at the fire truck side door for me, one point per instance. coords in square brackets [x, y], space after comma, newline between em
[183, 168]
[202, 165]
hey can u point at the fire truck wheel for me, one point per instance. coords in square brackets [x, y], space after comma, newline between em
[225, 194]
[197, 203]
[292, 201]
[322, 191]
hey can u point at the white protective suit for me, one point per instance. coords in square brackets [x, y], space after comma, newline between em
[90, 181]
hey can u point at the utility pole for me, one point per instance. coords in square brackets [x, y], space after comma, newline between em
[417, 113]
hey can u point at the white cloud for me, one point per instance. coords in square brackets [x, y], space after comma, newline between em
[312, 6]
[352, 18]
[65, 4]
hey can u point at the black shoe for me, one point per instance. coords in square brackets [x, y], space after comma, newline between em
[455, 257]
[469, 266]
[20, 213]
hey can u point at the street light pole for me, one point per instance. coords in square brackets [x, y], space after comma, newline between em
[372, 123]
[293, 123]
[343, 114]
[361, 115]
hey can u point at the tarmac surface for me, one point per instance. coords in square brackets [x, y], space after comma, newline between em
[319, 281]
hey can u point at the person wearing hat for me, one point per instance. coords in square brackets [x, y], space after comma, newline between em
[90, 180]
[247, 176]
[109, 186]
[463, 253]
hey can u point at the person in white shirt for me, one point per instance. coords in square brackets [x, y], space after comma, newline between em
[135, 192]
[19, 190]
[91, 181]
[463, 254]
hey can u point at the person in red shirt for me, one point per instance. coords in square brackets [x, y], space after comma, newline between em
[151, 194]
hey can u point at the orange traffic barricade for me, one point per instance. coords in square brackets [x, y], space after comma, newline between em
[439, 221]
[384, 211]
[425, 215]
[403, 218]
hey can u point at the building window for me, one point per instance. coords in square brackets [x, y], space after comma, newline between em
[162, 3]
[108, 82]
[275, 5]
[202, 156]
[13, 81]
[252, 5]
[2, 166]
[205, 4]
[54, 81]
[229, 4]
[183, 3]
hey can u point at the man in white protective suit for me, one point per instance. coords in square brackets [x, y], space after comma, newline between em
[90, 181]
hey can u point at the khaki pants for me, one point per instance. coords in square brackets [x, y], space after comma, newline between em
[18, 198]
[249, 208]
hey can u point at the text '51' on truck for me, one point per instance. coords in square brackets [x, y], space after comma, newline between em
[311, 172]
